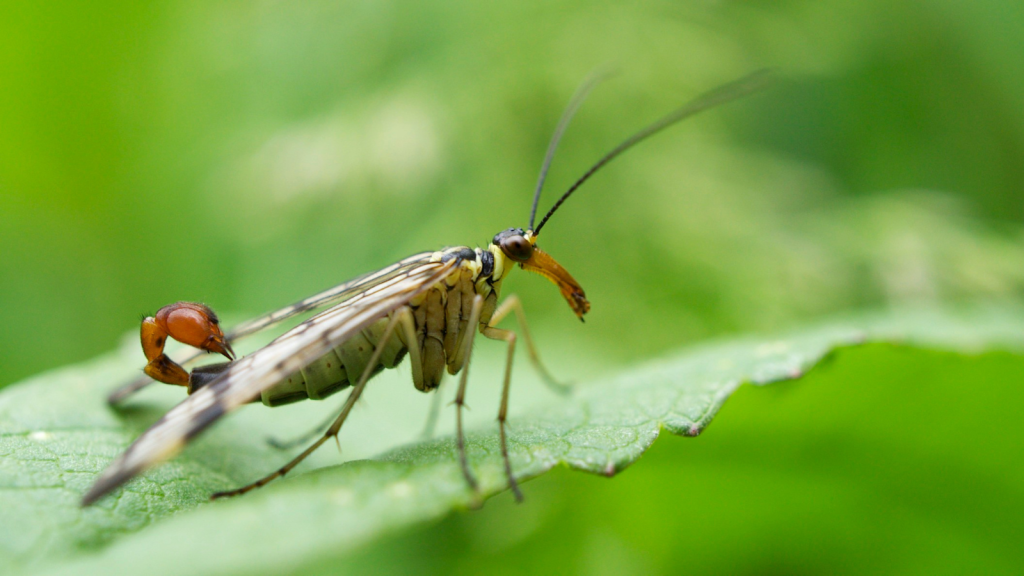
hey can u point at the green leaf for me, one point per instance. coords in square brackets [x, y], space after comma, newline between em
[56, 434]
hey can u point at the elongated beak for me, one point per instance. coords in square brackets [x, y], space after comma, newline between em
[541, 263]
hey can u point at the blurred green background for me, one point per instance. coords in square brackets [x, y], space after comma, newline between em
[249, 154]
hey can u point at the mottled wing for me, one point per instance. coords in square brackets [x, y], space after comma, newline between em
[328, 297]
[246, 378]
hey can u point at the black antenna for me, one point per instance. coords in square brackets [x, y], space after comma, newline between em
[574, 104]
[721, 95]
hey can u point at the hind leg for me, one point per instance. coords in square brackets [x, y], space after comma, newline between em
[403, 316]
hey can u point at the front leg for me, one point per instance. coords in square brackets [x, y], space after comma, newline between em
[460, 396]
[510, 304]
[509, 337]
[403, 318]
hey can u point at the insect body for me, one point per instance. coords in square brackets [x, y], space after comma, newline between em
[428, 307]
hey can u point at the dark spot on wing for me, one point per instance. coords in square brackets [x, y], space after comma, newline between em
[203, 420]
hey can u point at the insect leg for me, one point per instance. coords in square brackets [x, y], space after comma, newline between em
[409, 331]
[509, 337]
[460, 396]
[331, 432]
[435, 409]
[408, 325]
[512, 303]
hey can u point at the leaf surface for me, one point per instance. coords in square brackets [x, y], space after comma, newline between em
[57, 434]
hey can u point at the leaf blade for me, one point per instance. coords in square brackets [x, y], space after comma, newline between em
[54, 442]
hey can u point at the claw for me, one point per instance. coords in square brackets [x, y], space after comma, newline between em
[189, 323]
[218, 344]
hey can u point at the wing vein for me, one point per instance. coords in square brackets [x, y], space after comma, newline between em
[249, 376]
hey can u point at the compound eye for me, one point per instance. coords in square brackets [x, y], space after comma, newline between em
[517, 248]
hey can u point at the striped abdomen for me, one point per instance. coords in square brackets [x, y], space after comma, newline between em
[339, 368]
[334, 371]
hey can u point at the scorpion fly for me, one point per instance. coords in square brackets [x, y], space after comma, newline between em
[429, 307]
